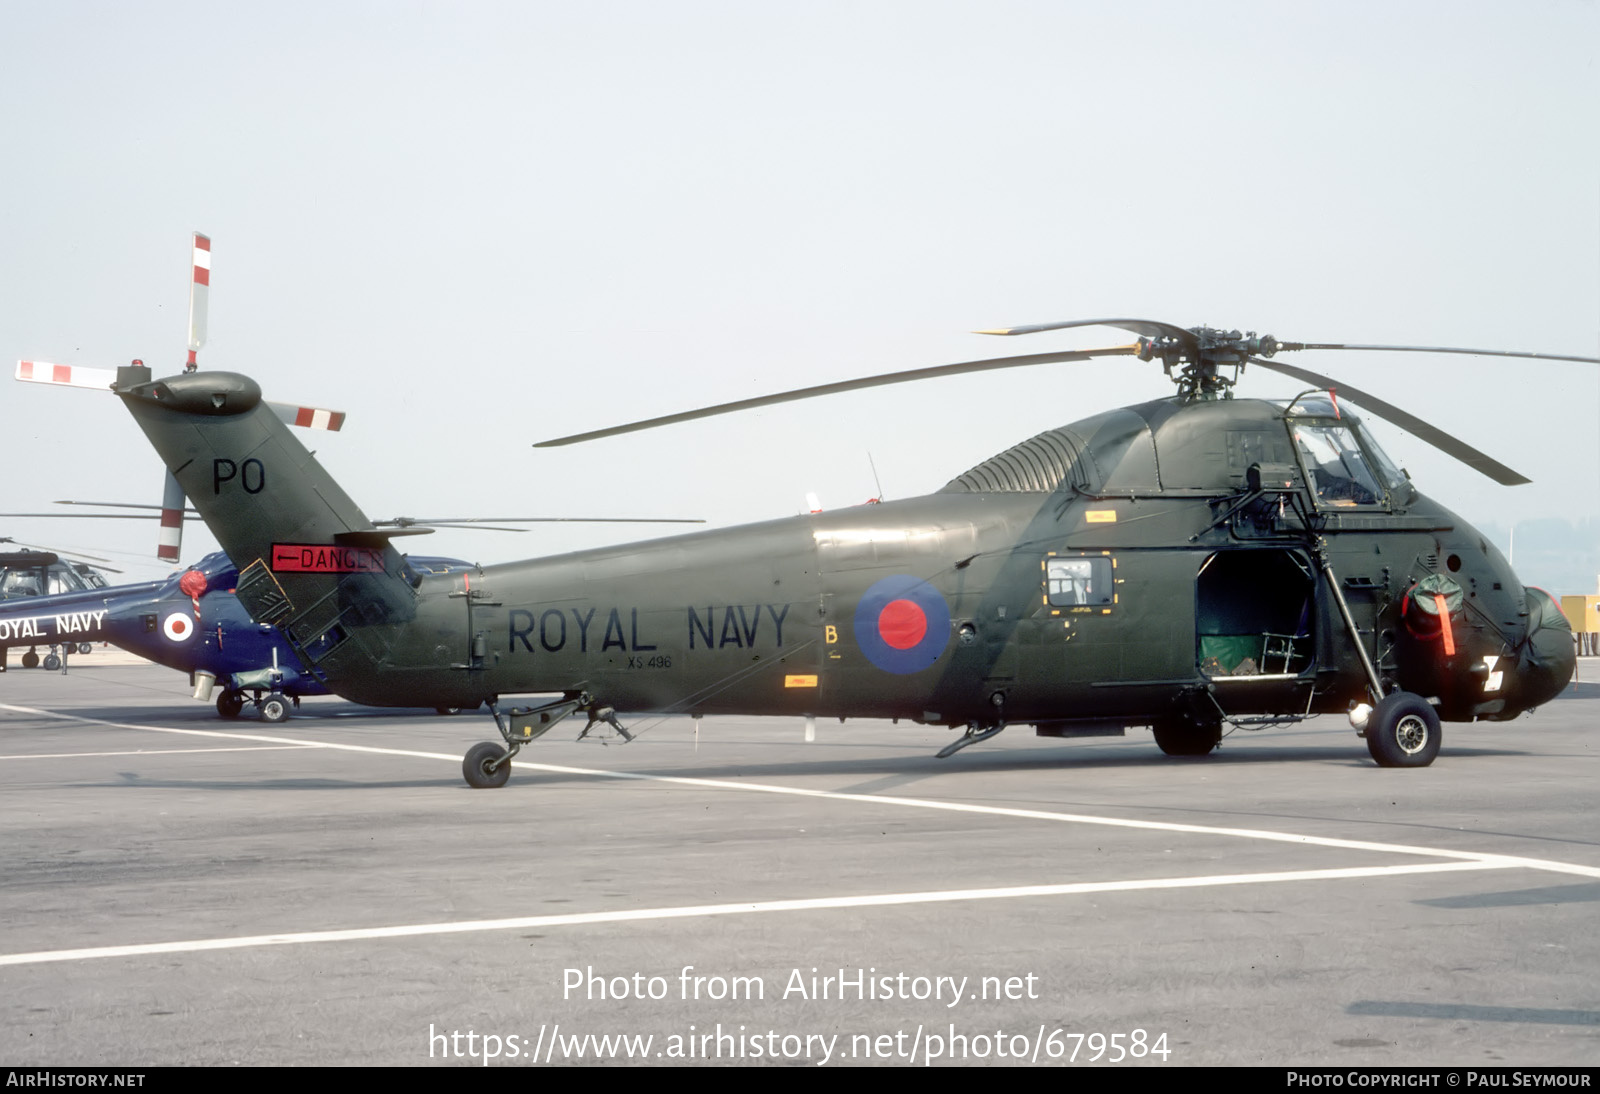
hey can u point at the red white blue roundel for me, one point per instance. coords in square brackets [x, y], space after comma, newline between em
[902, 624]
[178, 627]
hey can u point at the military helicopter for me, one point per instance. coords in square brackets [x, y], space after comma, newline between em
[1191, 563]
[42, 573]
[190, 621]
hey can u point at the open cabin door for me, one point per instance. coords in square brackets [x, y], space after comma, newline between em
[1255, 622]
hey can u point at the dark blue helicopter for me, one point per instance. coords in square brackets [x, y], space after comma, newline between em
[190, 621]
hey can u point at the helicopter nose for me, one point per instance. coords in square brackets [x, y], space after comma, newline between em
[1548, 658]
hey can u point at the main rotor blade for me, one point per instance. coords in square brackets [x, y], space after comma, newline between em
[1443, 349]
[58, 551]
[1150, 328]
[1418, 428]
[152, 511]
[191, 515]
[109, 505]
[881, 380]
[488, 523]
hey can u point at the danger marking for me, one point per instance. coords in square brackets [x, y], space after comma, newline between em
[309, 558]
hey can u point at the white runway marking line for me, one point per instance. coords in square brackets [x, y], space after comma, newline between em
[877, 799]
[880, 900]
[152, 752]
[1462, 861]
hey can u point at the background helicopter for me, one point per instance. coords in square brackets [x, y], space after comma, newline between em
[190, 621]
[42, 573]
[1183, 564]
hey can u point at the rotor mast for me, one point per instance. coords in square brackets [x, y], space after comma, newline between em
[1204, 352]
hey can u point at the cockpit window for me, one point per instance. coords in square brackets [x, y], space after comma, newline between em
[20, 583]
[1387, 469]
[1336, 465]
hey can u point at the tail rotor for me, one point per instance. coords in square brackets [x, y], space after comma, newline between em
[169, 543]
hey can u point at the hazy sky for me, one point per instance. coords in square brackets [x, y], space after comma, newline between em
[476, 225]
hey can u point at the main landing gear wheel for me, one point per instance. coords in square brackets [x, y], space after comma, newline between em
[30, 660]
[1184, 737]
[476, 767]
[51, 662]
[229, 704]
[1403, 731]
[274, 708]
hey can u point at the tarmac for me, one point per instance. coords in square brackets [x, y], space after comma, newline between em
[183, 890]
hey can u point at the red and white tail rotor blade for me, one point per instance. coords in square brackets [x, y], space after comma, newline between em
[101, 379]
[199, 290]
[308, 417]
[170, 543]
[43, 372]
[169, 540]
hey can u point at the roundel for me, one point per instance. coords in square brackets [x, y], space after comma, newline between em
[902, 624]
[178, 627]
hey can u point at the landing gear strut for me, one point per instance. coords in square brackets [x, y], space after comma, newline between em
[975, 732]
[487, 766]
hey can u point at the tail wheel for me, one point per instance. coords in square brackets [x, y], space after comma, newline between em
[477, 770]
[1403, 731]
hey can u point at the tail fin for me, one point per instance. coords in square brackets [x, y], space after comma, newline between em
[309, 560]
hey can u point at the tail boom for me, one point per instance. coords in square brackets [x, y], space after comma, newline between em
[310, 562]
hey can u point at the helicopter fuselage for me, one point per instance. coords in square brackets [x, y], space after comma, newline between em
[1202, 560]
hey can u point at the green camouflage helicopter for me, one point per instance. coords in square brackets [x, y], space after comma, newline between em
[1187, 564]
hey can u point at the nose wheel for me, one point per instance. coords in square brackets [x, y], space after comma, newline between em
[1403, 731]
[274, 707]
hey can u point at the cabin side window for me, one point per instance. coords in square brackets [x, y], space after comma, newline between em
[1335, 465]
[1078, 582]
